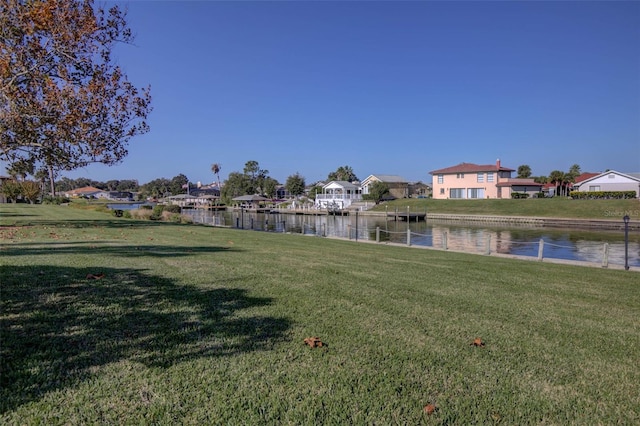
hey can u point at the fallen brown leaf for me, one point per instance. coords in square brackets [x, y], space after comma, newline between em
[314, 342]
[429, 409]
[477, 342]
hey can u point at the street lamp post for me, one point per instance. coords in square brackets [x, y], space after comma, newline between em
[626, 241]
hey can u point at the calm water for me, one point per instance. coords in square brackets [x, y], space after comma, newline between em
[570, 244]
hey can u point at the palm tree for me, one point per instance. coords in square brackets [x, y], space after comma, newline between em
[557, 177]
[215, 168]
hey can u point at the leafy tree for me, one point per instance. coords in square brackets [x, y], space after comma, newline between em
[11, 189]
[30, 190]
[317, 189]
[270, 186]
[524, 171]
[377, 191]
[128, 185]
[257, 177]
[156, 188]
[295, 184]
[112, 185]
[344, 173]
[541, 179]
[237, 184]
[178, 184]
[21, 168]
[64, 102]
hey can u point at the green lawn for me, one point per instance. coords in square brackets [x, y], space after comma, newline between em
[199, 325]
[542, 207]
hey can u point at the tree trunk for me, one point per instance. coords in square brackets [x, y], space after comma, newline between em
[52, 181]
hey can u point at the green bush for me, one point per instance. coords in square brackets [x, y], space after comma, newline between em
[172, 208]
[519, 195]
[157, 212]
[58, 199]
[126, 214]
[617, 195]
[146, 207]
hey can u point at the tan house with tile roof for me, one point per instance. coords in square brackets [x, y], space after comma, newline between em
[479, 181]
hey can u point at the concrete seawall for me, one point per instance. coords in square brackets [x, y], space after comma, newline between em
[538, 221]
[550, 222]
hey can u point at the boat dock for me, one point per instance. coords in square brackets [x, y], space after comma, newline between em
[407, 217]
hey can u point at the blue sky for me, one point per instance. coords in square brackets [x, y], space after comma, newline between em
[384, 87]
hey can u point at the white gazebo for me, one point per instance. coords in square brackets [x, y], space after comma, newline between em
[338, 195]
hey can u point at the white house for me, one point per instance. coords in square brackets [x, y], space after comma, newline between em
[338, 195]
[610, 181]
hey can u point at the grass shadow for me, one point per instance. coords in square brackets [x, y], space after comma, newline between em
[104, 247]
[58, 326]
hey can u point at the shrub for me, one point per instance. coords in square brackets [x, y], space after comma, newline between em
[126, 214]
[141, 214]
[146, 207]
[519, 195]
[58, 199]
[157, 212]
[173, 208]
[603, 194]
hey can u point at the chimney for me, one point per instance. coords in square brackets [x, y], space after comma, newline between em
[498, 163]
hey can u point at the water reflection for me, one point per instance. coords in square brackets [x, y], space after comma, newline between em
[569, 244]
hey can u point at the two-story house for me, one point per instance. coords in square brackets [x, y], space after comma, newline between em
[479, 181]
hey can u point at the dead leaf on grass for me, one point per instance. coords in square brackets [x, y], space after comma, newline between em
[313, 342]
[477, 342]
[429, 409]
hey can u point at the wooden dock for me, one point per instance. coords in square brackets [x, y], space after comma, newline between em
[407, 217]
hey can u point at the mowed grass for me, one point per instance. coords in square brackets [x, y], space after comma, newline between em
[199, 325]
[558, 207]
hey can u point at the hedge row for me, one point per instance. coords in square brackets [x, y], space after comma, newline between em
[602, 194]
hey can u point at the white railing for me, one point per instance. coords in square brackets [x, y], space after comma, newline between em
[338, 196]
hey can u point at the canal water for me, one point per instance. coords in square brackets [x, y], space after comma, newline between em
[569, 244]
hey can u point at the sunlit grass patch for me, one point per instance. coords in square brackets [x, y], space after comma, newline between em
[201, 325]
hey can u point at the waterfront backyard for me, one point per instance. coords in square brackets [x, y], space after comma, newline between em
[112, 320]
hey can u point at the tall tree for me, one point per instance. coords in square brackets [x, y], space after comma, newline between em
[179, 184]
[269, 187]
[557, 178]
[524, 171]
[237, 184]
[64, 103]
[215, 168]
[257, 176]
[295, 184]
[344, 173]
[574, 172]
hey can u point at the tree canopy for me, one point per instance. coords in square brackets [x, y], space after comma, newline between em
[524, 171]
[343, 173]
[295, 184]
[377, 191]
[64, 103]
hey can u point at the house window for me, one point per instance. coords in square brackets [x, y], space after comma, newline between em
[480, 177]
[490, 177]
[460, 175]
[456, 193]
[594, 188]
[475, 193]
[441, 191]
[440, 178]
